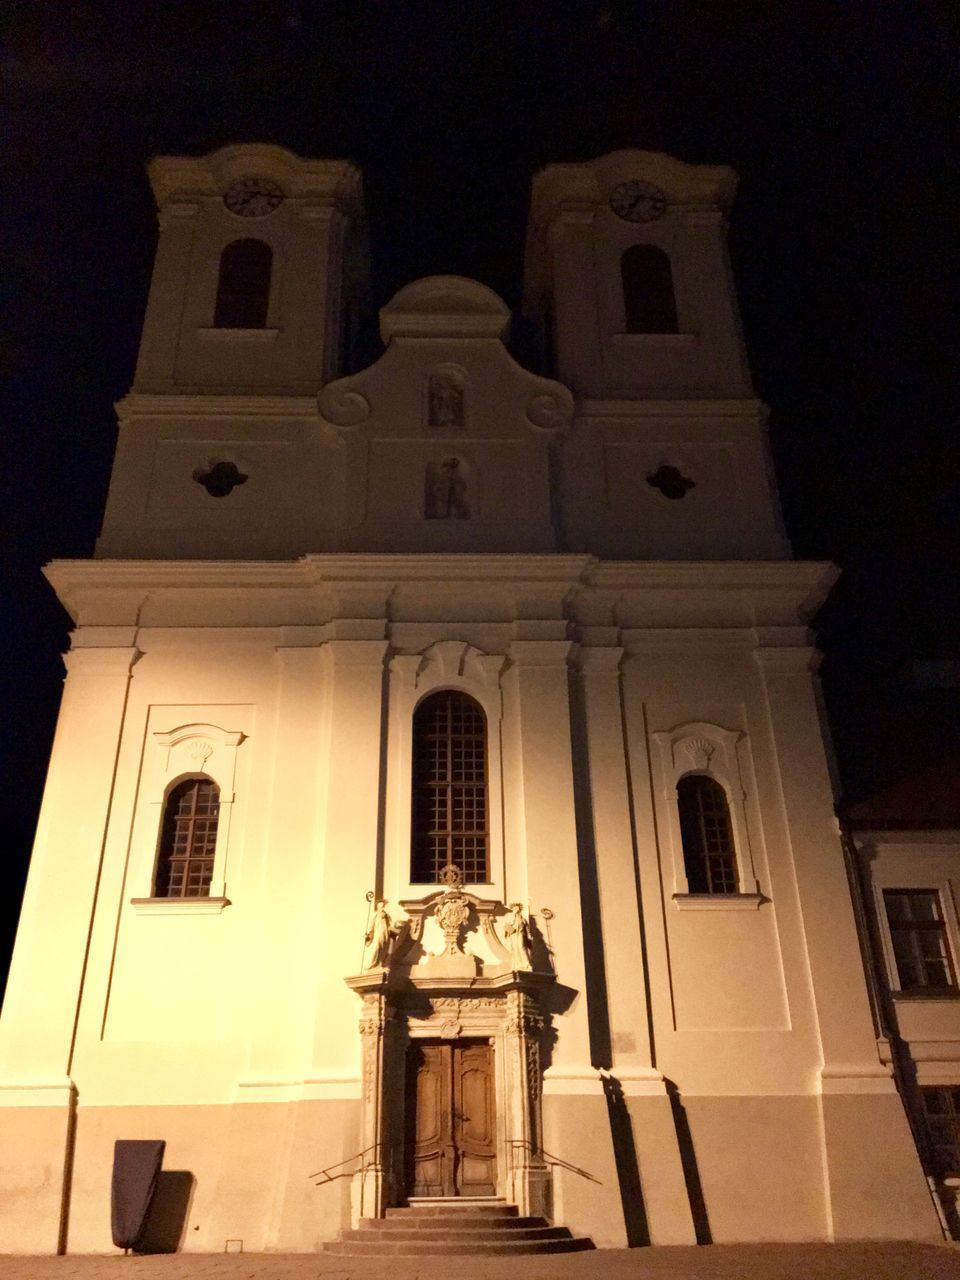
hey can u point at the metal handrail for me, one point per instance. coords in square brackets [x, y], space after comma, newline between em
[327, 1175]
[548, 1158]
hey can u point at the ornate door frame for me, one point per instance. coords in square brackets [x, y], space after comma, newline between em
[507, 1011]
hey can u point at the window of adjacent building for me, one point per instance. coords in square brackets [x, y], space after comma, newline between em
[709, 856]
[941, 1116]
[449, 788]
[243, 285]
[919, 938]
[649, 302]
[188, 840]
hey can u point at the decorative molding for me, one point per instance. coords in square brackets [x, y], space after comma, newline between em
[179, 906]
[342, 405]
[723, 754]
[550, 410]
[718, 901]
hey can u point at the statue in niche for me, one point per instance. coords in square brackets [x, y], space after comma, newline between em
[517, 933]
[444, 400]
[380, 936]
[445, 491]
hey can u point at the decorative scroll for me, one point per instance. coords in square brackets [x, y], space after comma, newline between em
[343, 407]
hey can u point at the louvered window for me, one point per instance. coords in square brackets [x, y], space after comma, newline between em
[450, 819]
[188, 840]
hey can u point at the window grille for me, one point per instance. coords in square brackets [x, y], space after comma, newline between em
[919, 938]
[449, 788]
[188, 840]
[649, 302]
[243, 286]
[709, 856]
[941, 1117]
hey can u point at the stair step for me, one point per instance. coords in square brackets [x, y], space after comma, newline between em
[459, 1205]
[415, 1249]
[486, 1226]
[467, 1235]
[434, 1221]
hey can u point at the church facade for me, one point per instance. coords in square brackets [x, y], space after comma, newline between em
[439, 803]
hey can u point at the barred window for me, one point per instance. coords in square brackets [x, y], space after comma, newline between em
[709, 856]
[243, 286]
[188, 840]
[449, 788]
[649, 303]
[919, 938]
[941, 1117]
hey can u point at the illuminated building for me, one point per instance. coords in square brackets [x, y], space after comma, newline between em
[347, 627]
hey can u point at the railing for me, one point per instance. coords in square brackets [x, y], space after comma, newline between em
[525, 1144]
[327, 1175]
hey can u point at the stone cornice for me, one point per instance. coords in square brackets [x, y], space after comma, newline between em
[180, 404]
[744, 408]
[733, 596]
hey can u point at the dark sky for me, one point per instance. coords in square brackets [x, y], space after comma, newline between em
[841, 119]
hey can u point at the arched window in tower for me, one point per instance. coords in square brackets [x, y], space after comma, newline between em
[243, 286]
[709, 856]
[445, 491]
[649, 302]
[188, 839]
[450, 823]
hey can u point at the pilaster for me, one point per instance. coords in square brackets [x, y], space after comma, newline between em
[49, 960]
[352, 835]
[537, 683]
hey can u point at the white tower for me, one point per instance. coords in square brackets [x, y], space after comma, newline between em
[629, 285]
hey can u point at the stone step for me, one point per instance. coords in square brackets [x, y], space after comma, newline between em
[415, 1249]
[467, 1235]
[449, 1227]
[426, 1221]
[457, 1204]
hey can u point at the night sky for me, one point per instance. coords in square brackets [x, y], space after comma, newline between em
[841, 119]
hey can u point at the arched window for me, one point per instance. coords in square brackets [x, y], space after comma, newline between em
[188, 839]
[649, 303]
[709, 857]
[243, 286]
[449, 789]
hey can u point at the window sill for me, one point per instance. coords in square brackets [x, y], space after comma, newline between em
[222, 333]
[179, 906]
[949, 995]
[718, 901]
[654, 339]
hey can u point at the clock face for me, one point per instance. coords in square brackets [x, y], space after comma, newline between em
[638, 201]
[253, 197]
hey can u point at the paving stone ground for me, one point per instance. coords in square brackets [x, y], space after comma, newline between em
[869, 1261]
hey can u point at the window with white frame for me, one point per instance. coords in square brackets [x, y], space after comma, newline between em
[918, 933]
[941, 1117]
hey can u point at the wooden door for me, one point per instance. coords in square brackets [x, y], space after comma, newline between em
[451, 1119]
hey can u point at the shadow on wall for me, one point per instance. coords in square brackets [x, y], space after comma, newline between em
[688, 1161]
[166, 1220]
[628, 1169]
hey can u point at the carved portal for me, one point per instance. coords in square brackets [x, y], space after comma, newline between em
[473, 989]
